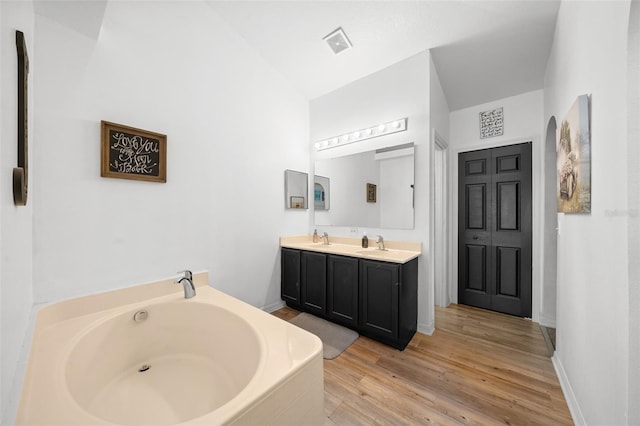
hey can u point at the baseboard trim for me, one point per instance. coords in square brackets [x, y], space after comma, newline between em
[547, 322]
[427, 329]
[569, 396]
[274, 306]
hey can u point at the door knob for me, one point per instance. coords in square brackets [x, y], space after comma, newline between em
[475, 237]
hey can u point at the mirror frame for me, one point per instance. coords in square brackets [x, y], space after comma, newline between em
[292, 200]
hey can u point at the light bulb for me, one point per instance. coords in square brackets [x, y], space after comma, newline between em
[345, 138]
[382, 127]
[356, 135]
[369, 132]
[396, 124]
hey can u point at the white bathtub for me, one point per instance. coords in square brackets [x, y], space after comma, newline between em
[207, 360]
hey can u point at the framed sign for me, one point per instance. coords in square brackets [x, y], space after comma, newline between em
[491, 123]
[130, 153]
[371, 193]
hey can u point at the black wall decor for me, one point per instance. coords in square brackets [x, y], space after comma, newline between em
[130, 153]
[21, 173]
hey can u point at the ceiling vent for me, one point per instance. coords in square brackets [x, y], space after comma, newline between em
[338, 41]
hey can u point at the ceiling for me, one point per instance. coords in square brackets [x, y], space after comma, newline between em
[482, 50]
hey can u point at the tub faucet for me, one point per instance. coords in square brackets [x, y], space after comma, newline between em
[380, 243]
[325, 239]
[187, 283]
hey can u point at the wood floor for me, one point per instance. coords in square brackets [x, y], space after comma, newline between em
[479, 367]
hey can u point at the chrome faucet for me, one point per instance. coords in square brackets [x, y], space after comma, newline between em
[380, 243]
[325, 239]
[187, 283]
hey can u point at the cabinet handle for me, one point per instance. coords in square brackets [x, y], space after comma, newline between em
[297, 284]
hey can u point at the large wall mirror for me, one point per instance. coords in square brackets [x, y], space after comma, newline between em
[371, 189]
[295, 189]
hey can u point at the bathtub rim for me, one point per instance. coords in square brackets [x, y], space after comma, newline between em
[139, 295]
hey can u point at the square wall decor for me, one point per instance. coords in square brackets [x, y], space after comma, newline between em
[491, 123]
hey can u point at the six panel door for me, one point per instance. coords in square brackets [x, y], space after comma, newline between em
[494, 229]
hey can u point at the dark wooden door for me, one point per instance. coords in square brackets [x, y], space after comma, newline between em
[494, 229]
[313, 294]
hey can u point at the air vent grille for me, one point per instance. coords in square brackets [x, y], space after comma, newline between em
[338, 41]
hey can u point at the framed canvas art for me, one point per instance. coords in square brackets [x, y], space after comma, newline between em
[573, 150]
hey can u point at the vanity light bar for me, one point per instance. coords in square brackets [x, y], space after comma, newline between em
[394, 126]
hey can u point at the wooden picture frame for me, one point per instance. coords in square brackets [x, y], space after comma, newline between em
[372, 190]
[130, 153]
[296, 202]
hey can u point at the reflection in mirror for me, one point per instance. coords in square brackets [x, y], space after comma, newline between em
[321, 193]
[295, 189]
[390, 169]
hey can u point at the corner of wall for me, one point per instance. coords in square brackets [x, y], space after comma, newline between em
[16, 223]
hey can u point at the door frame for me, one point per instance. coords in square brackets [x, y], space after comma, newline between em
[440, 242]
[537, 185]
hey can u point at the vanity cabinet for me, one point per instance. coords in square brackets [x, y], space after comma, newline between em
[313, 279]
[376, 298]
[388, 301]
[290, 279]
[342, 290]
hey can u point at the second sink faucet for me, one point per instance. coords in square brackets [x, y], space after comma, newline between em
[187, 284]
[380, 243]
[325, 239]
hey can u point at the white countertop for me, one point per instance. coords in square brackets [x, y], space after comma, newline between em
[396, 251]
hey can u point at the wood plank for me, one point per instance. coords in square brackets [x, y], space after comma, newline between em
[479, 367]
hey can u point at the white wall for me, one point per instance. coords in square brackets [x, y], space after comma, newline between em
[440, 225]
[401, 90]
[438, 107]
[633, 173]
[233, 126]
[522, 123]
[15, 222]
[593, 313]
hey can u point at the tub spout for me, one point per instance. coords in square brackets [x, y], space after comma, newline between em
[187, 284]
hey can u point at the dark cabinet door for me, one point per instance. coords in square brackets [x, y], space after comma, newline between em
[379, 286]
[494, 229]
[290, 276]
[342, 300]
[313, 296]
